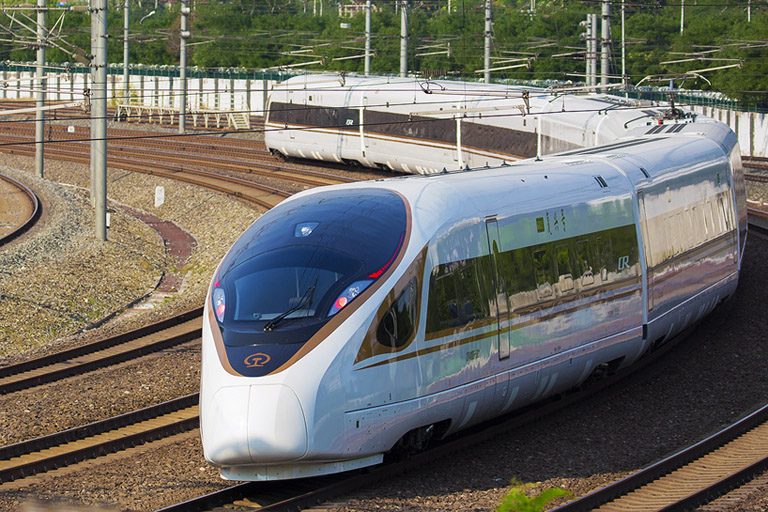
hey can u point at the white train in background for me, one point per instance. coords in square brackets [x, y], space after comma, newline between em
[423, 127]
[357, 319]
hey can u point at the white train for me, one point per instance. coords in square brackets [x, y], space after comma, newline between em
[355, 319]
[423, 127]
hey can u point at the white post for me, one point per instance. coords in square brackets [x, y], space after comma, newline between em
[624, 84]
[367, 37]
[40, 75]
[488, 28]
[184, 35]
[404, 38]
[593, 50]
[126, 78]
[682, 15]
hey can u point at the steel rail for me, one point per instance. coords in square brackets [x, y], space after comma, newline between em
[99, 354]
[99, 438]
[755, 162]
[759, 178]
[758, 221]
[266, 196]
[246, 160]
[706, 491]
[77, 113]
[66, 134]
[227, 163]
[33, 217]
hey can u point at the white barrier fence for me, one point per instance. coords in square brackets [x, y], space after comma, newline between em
[203, 94]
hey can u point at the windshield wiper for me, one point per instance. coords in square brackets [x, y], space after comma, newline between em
[306, 299]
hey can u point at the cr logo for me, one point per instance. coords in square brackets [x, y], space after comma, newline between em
[256, 360]
[623, 262]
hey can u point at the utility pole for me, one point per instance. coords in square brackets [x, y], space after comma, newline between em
[367, 37]
[591, 54]
[404, 38]
[42, 37]
[606, 49]
[488, 28]
[126, 77]
[99, 114]
[184, 35]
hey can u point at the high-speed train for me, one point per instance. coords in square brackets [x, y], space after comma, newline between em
[357, 319]
[422, 127]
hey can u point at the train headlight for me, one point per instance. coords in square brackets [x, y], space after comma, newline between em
[347, 295]
[219, 303]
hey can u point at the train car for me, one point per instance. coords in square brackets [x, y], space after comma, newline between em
[357, 319]
[422, 127]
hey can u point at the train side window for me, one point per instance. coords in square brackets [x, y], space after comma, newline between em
[542, 264]
[397, 325]
[443, 311]
[604, 256]
[517, 268]
[724, 213]
[565, 276]
[459, 294]
[584, 268]
[472, 294]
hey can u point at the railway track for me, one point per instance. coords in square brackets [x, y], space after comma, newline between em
[176, 159]
[96, 439]
[99, 354]
[21, 209]
[78, 113]
[691, 477]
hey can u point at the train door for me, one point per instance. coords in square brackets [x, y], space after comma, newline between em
[646, 249]
[499, 288]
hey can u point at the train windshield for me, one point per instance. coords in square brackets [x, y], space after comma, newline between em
[305, 261]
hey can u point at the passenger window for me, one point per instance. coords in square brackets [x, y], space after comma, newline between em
[544, 271]
[565, 277]
[724, 214]
[473, 298]
[604, 257]
[458, 294]
[585, 269]
[397, 325]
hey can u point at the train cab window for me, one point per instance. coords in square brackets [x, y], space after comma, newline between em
[397, 325]
[303, 262]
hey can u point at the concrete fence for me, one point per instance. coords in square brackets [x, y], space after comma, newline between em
[750, 127]
[203, 94]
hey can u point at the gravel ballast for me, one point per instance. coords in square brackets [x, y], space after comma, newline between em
[704, 383]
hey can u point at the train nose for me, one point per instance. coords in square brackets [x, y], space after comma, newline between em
[261, 423]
